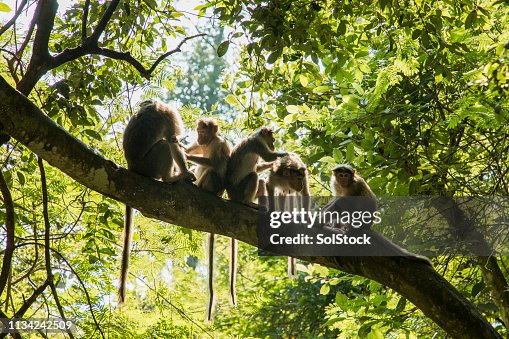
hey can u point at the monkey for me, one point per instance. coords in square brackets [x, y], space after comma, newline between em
[345, 182]
[210, 176]
[242, 183]
[151, 147]
[241, 175]
[289, 176]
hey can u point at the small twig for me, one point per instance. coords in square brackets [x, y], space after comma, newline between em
[14, 18]
[173, 51]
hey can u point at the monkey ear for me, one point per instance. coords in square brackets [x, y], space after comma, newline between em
[215, 129]
[266, 130]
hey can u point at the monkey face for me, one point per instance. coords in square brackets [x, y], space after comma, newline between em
[295, 178]
[205, 134]
[343, 176]
[268, 136]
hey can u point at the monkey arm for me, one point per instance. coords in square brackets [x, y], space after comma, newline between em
[202, 161]
[263, 166]
[266, 154]
[194, 149]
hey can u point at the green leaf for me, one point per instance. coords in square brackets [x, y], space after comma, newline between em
[231, 99]
[223, 48]
[292, 109]
[321, 89]
[338, 155]
[469, 21]
[21, 178]
[290, 118]
[153, 4]
[4, 7]
[325, 289]
[328, 160]
[273, 57]
[364, 330]
[341, 28]
[342, 300]
[477, 288]
[401, 305]
[93, 134]
[416, 34]
[303, 80]
[350, 152]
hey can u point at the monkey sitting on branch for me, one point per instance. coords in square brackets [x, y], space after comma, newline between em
[151, 148]
[289, 177]
[211, 153]
[345, 182]
[242, 181]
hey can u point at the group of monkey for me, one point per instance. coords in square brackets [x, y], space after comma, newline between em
[151, 148]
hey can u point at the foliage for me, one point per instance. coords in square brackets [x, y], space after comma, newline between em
[200, 84]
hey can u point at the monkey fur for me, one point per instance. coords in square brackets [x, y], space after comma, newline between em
[210, 174]
[241, 175]
[242, 181]
[151, 147]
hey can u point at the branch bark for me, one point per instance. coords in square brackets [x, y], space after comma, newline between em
[186, 205]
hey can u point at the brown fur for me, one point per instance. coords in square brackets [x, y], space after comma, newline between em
[214, 154]
[150, 148]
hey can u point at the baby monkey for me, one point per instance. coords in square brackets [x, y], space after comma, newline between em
[151, 148]
[211, 153]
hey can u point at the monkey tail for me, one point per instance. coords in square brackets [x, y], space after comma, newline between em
[233, 272]
[211, 304]
[398, 251]
[126, 249]
[292, 269]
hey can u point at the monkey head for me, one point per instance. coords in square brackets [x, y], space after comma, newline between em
[207, 129]
[267, 136]
[344, 175]
[295, 177]
[291, 168]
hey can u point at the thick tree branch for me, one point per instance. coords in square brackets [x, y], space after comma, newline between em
[186, 205]
[46, 10]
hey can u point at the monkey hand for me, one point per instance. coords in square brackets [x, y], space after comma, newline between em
[188, 176]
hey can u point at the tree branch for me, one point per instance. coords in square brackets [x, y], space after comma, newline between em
[14, 18]
[84, 19]
[186, 205]
[101, 26]
[47, 233]
[10, 228]
[46, 9]
[173, 51]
